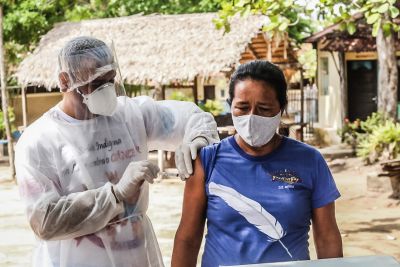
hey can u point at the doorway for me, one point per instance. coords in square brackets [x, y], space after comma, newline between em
[209, 92]
[362, 77]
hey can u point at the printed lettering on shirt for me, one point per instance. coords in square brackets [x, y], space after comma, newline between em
[286, 176]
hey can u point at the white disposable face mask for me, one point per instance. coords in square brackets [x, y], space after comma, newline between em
[256, 130]
[102, 101]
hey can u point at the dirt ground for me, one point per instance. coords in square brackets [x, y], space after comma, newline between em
[369, 221]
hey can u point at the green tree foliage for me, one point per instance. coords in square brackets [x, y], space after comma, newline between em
[374, 139]
[115, 8]
[11, 117]
[212, 106]
[378, 14]
[294, 16]
[382, 143]
[285, 15]
[308, 59]
[180, 96]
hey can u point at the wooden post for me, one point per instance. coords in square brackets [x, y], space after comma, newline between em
[343, 86]
[301, 105]
[158, 92]
[269, 47]
[24, 108]
[341, 69]
[387, 74]
[195, 96]
[4, 102]
[285, 44]
[160, 160]
[163, 92]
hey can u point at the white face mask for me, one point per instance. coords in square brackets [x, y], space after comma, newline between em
[256, 130]
[102, 101]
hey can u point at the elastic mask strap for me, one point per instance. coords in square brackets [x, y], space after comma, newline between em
[80, 93]
[84, 98]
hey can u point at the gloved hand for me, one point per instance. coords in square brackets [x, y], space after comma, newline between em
[132, 179]
[186, 153]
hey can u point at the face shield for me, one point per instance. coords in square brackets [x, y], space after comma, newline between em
[92, 78]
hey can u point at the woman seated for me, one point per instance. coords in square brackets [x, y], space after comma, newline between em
[259, 191]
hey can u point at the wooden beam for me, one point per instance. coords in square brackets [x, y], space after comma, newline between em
[179, 86]
[301, 106]
[195, 96]
[269, 48]
[285, 46]
[251, 51]
[163, 92]
[24, 108]
[259, 45]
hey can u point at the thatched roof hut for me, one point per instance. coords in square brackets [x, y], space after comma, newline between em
[161, 49]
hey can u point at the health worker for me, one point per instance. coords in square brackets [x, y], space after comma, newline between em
[83, 168]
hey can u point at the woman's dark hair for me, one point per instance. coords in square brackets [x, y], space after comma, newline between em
[261, 70]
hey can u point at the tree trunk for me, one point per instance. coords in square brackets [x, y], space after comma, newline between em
[341, 70]
[158, 92]
[343, 86]
[4, 102]
[395, 181]
[387, 75]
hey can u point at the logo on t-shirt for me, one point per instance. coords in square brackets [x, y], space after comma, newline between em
[286, 176]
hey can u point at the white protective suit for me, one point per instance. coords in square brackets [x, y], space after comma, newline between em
[65, 171]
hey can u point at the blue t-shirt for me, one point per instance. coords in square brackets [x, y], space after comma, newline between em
[259, 209]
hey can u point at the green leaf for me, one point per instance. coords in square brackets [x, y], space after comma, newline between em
[373, 18]
[387, 29]
[274, 19]
[351, 28]
[241, 3]
[287, 3]
[383, 8]
[342, 26]
[375, 28]
[246, 11]
[394, 12]
[283, 26]
[346, 16]
[274, 6]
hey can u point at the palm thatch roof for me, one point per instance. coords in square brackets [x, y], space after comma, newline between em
[160, 49]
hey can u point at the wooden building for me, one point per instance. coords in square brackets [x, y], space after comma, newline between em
[347, 74]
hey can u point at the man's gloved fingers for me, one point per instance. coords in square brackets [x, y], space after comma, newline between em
[193, 151]
[180, 165]
[149, 168]
[183, 178]
[149, 178]
[154, 169]
[188, 159]
[146, 163]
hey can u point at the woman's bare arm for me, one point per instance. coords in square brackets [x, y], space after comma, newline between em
[190, 231]
[328, 242]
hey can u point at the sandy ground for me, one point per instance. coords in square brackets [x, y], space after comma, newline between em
[369, 222]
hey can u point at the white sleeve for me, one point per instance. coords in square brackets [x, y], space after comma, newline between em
[169, 123]
[52, 215]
